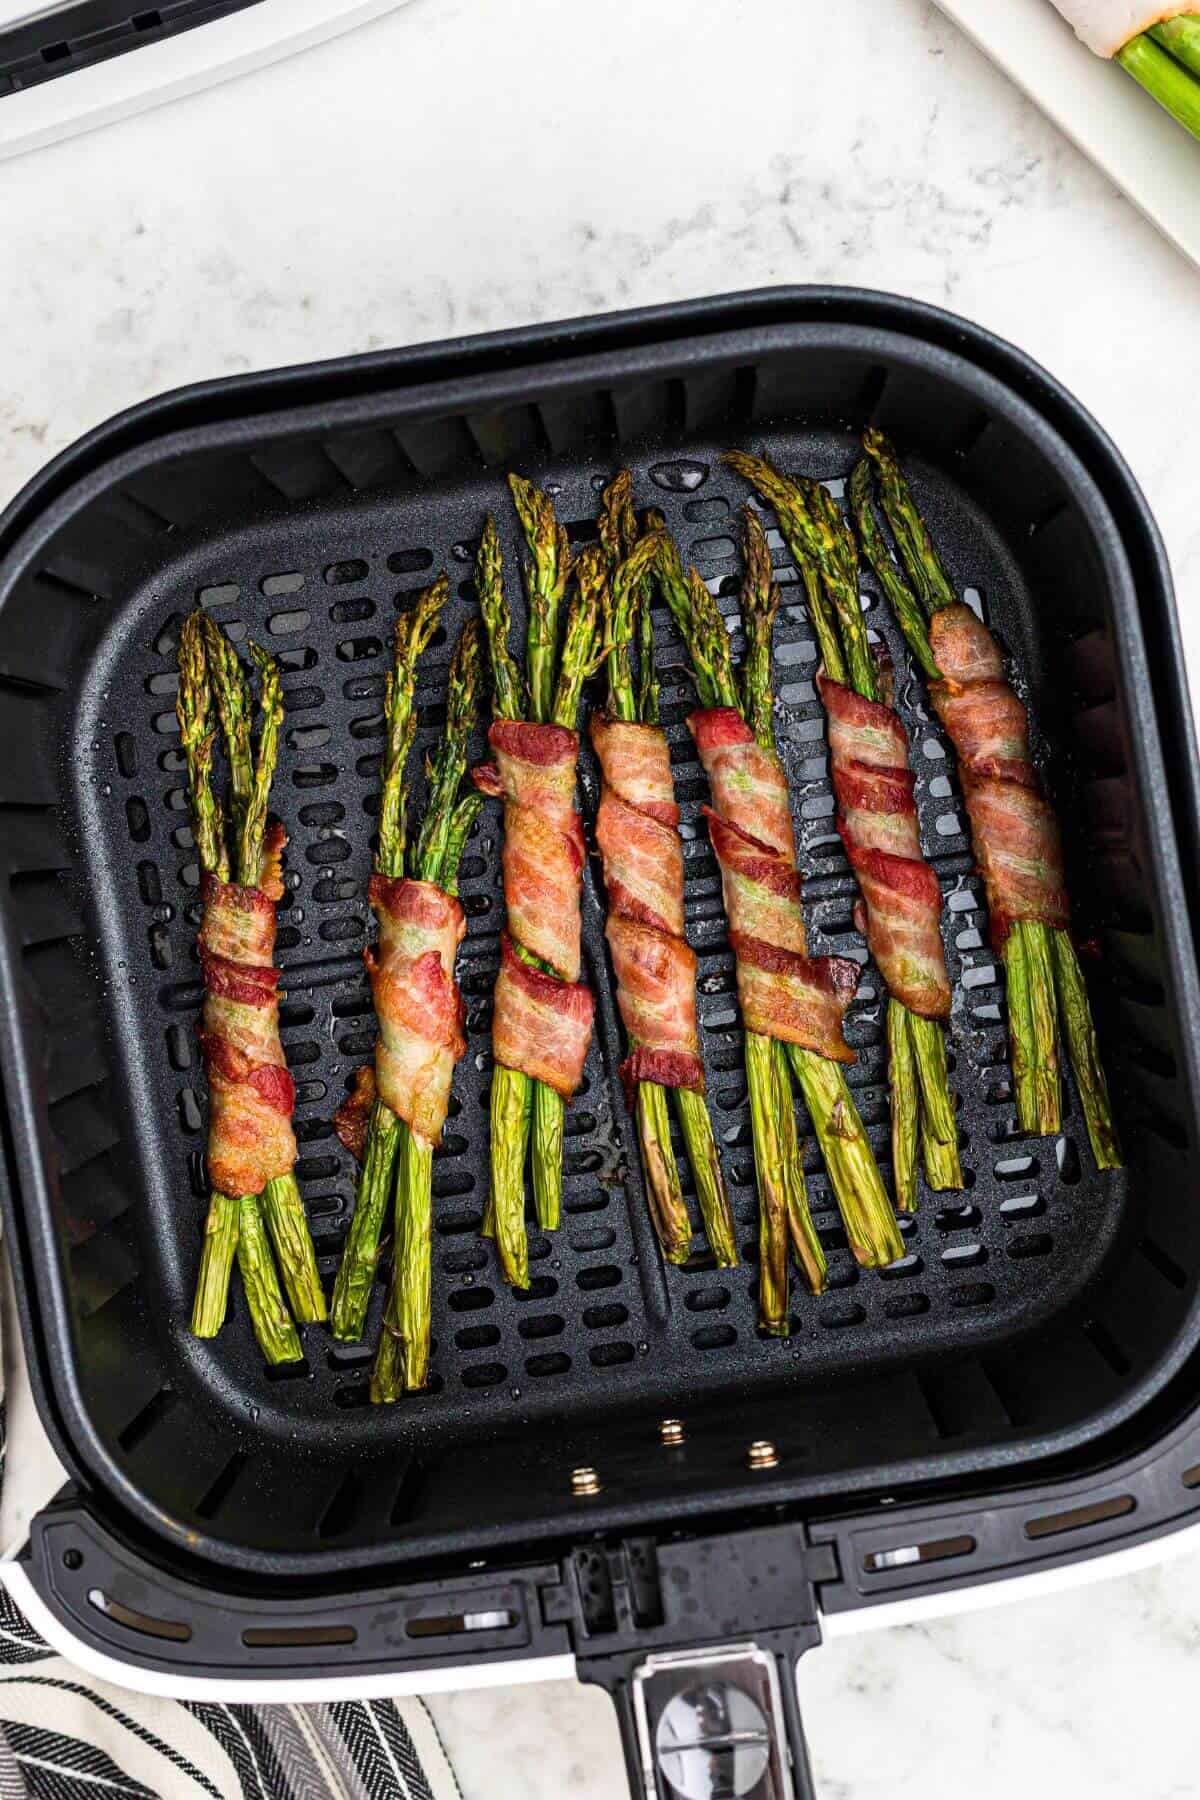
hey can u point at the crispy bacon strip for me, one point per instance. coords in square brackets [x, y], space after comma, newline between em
[352, 1117]
[877, 819]
[540, 1025]
[542, 1020]
[251, 1094]
[783, 992]
[1013, 826]
[637, 831]
[417, 1001]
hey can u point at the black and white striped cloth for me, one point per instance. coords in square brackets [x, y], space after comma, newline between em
[66, 1736]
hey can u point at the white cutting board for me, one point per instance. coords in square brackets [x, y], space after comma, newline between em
[1149, 157]
[169, 67]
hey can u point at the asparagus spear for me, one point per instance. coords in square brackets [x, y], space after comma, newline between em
[822, 547]
[627, 604]
[552, 700]
[402, 1361]
[386, 1133]
[193, 707]
[546, 576]
[1045, 984]
[282, 1206]
[234, 1223]
[784, 1216]
[511, 1104]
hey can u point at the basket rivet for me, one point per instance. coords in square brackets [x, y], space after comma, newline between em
[671, 1431]
[762, 1454]
[585, 1481]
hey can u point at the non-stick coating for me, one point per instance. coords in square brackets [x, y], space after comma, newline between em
[603, 1319]
[1033, 1309]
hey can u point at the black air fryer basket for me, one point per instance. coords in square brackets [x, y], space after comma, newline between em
[1016, 1393]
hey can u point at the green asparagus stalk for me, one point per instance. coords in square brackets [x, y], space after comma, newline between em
[386, 1134]
[211, 1302]
[584, 648]
[918, 554]
[648, 686]
[1030, 967]
[784, 1215]
[280, 1201]
[277, 1337]
[546, 577]
[511, 1105]
[906, 1112]
[1045, 984]
[1167, 65]
[193, 707]
[402, 1362]
[626, 600]
[824, 550]
[896, 590]
[1084, 1051]
[194, 710]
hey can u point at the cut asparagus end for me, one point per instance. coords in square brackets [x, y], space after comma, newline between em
[549, 1115]
[216, 1266]
[356, 1276]
[668, 1208]
[701, 1142]
[510, 1111]
[295, 1254]
[277, 1336]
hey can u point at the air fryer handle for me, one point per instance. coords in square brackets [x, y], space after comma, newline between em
[712, 1722]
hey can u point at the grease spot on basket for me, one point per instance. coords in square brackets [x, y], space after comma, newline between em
[681, 477]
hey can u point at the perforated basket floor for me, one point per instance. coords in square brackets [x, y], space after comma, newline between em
[1026, 1306]
[602, 1316]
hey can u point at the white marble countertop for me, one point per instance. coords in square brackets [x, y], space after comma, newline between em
[461, 165]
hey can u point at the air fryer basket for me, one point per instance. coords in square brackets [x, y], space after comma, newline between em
[1039, 1316]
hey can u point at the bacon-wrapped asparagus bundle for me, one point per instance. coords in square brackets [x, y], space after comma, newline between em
[421, 924]
[251, 1145]
[542, 1012]
[900, 906]
[1013, 826]
[792, 1004]
[637, 831]
[401, 1047]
